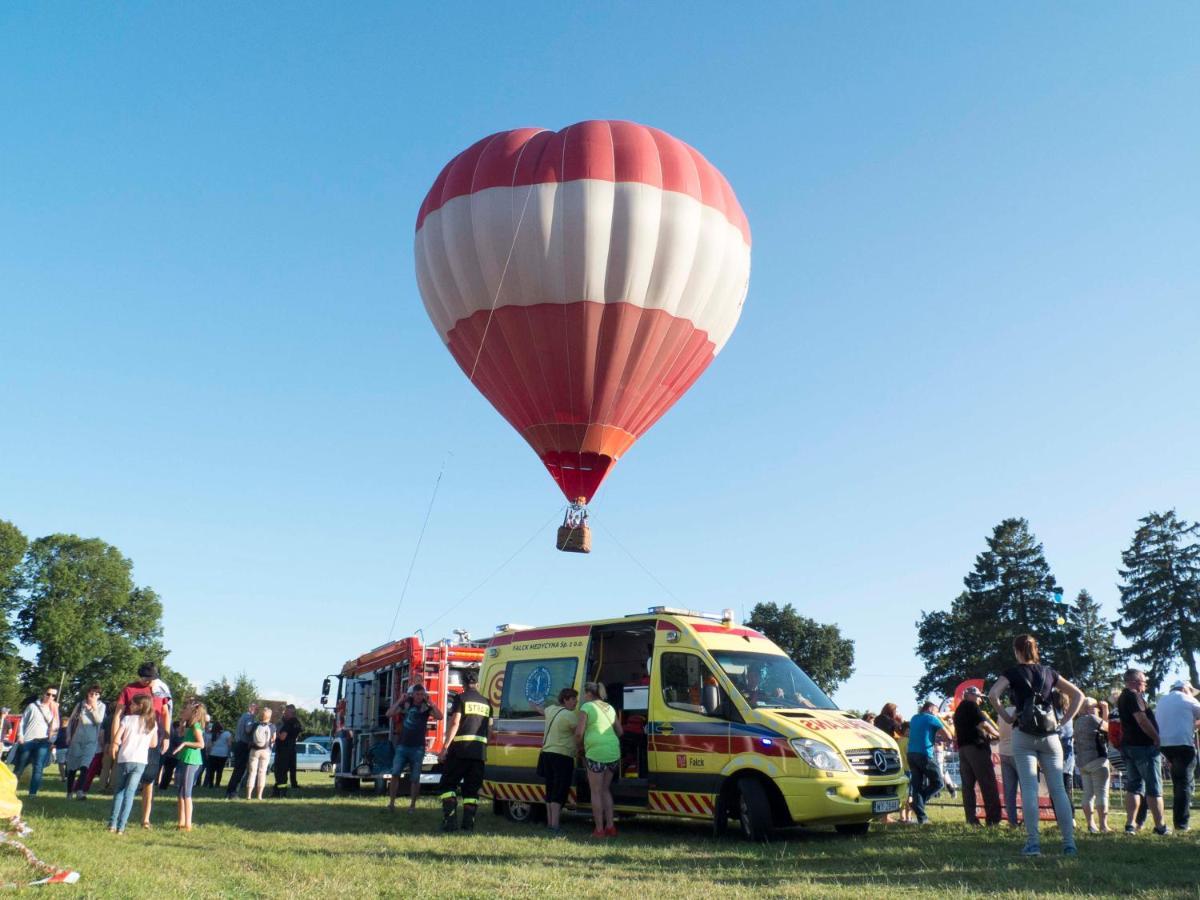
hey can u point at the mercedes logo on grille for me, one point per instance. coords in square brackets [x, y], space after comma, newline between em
[881, 761]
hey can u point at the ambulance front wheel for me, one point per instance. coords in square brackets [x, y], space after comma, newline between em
[858, 828]
[753, 811]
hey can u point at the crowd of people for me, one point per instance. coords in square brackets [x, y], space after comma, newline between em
[1046, 731]
[591, 728]
[140, 745]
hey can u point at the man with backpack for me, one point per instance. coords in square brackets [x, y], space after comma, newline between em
[241, 750]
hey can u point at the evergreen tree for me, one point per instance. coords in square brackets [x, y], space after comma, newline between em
[1099, 664]
[1160, 595]
[1008, 593]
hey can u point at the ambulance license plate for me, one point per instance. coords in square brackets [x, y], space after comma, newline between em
[885, 806]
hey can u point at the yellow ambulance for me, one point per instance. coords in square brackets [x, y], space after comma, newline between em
[718, 724]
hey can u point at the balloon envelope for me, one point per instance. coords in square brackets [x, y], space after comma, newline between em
[583, 279]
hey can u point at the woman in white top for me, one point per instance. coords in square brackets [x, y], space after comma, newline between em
[131, 750]
[218, 754]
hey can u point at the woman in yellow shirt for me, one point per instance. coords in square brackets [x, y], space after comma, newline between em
[557, 760]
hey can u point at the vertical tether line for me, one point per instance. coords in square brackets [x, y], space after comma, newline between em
[417, 549]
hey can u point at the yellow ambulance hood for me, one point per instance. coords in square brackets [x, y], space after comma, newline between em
[838, 729]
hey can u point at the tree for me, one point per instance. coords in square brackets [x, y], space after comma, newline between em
[820, 650]
[1098, 663]
[1160, 595]
[12, 549]
[315, 721]
[1008, 593]
[226, 702]
[77, 605]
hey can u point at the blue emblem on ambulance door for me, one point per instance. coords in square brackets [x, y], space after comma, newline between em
[537, 686]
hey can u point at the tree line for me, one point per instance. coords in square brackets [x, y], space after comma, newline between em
[1011, 591]
[73, 602]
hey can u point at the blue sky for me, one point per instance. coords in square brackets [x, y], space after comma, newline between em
[973, 295]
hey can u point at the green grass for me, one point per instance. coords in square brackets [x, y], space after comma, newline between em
[320, 845]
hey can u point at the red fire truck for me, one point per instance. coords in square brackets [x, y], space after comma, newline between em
[369, 684]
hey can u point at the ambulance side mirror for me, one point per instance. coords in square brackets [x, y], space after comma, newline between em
[711, 699]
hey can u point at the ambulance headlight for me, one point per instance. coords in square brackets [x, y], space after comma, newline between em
[818, 755]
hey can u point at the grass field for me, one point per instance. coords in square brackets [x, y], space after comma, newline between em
[319, 845]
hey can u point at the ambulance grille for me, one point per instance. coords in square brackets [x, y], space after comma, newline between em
[868, 761]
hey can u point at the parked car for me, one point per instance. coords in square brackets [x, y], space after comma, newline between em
[310, 757]
[323, 739]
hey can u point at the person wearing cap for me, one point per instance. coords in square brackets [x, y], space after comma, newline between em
[1178, 716]
[923, 728]
[975, 732]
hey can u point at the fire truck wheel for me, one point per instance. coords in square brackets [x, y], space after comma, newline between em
[346, 784]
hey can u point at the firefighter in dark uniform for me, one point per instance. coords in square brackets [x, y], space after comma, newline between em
[462, 755]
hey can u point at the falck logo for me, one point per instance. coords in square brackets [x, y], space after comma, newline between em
[881, 761]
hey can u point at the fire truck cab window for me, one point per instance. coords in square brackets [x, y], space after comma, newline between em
[684, 678]
[534, 681]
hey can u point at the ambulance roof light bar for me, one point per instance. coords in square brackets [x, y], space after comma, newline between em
[725, 615]
[512, 626]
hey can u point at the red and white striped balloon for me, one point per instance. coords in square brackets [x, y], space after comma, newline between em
[583, 279]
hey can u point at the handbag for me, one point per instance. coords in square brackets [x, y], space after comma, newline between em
[1036, 716]
[543, 767]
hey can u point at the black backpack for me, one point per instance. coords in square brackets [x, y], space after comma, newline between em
[1036, 716]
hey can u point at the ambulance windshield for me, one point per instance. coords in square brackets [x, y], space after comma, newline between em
[770, 681]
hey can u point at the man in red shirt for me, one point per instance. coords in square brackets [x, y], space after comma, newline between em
[148, 684]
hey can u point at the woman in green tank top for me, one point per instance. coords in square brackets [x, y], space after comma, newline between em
[599, 730]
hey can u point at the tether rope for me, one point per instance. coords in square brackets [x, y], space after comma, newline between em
[653, 577]
[417, 549]
[496, 571]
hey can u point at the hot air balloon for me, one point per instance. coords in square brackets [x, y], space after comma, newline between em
[583, 279]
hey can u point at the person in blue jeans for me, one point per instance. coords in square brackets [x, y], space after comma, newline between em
[1139, 747]
[1030, 683]
[38, 729]
[135, 732]
[923, 728]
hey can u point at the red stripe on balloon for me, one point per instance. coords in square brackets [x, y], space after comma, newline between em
[581, 381]
[600, 150]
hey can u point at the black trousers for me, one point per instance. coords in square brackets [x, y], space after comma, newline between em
[1183, 780]
[975, 764]
[467, 773]
[285, 767]
[241, 757]
[166, 771]
[214, 767]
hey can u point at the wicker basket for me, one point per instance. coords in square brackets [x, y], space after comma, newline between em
[574, 540]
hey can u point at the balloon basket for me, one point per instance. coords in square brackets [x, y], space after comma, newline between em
[574, 539]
